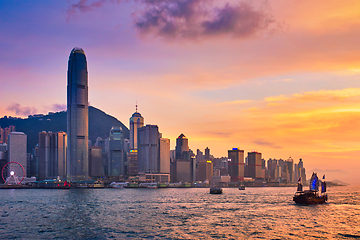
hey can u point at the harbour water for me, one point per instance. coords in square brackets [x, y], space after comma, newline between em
[188, 213]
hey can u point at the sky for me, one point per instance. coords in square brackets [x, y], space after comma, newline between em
[281, 77]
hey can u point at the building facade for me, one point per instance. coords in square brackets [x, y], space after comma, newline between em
[136, 122]
[77, 116]
[164, 155]
[95, 162]
[254, 165]
[116, 152]
[51, 155]
[148, 149]
[236, 164]
[182, 148]
[206, 170]
[17, 144]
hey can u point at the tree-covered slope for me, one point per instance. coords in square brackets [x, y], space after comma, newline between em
[100, 124]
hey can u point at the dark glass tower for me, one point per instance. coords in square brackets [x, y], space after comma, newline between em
[77, 117]
[182, 148]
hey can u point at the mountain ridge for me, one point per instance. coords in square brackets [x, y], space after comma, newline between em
[100, 124]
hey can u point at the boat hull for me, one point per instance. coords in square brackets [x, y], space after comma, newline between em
[309, 199]
[216, 191]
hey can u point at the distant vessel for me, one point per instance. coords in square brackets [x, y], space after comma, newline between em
[216, 190]
[152, 186]
[149, 185]
[312, 195]
[242, 187]
[119, 185]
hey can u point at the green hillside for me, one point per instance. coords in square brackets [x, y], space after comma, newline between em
[100, 124]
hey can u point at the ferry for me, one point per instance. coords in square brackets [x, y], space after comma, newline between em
[119, 185]
[149, 185]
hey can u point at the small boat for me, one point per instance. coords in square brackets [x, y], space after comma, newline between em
[119, 185]
[311, 196]
[216, 190]
[242, 187]
[152, 185]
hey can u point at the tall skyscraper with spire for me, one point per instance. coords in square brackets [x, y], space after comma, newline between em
[136, 121]
[77, 117]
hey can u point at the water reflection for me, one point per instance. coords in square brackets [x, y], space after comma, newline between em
[175, 213]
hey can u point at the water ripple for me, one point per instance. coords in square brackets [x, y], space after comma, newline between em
[256, 213]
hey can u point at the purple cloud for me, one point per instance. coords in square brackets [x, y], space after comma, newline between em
[84, 6]
[58, 107]
[196, 18]
[242, 20]
[267, 144]
[22, 111]
[191, 19]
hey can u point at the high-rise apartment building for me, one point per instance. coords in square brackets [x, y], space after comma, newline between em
[199, 155]
[183, 167]
[272, 163]
[164, 155]
[207, 153]
[4, 133]
[2, 137]
[290, 168]
[3, 158]
[52, 155]
[302, 173]
[116, 152]
[254, 165]
[95, 162]
[77, 116]
[133, 162]
[17, 144]
[236, 164]
[148, 149]
[206, 170]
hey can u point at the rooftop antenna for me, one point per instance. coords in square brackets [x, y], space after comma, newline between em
[136, 107]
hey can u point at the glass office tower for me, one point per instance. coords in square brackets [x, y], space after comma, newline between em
[77, 116]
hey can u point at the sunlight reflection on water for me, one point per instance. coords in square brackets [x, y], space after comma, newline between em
[266, 213]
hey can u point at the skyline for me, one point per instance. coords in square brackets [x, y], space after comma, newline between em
[281, 77]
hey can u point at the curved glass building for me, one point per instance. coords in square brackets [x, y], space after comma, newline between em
[77, 117]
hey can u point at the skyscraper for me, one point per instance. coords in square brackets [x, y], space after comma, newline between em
[116, 152]
[164, 155]
[136, 121]
[207, 153]
[236, 164]
[148, 149]
[95, 162]
[52, 155]
[205, 170]
[17, 148]
[254, 164]
[182, 148]
[77, 116]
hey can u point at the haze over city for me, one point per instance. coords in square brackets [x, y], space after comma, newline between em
[281, 77]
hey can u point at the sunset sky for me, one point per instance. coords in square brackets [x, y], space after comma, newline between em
[281, 77]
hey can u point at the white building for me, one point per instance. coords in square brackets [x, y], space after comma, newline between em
[17, 144]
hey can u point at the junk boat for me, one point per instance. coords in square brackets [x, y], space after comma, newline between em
[311, 196]
[216, 190]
